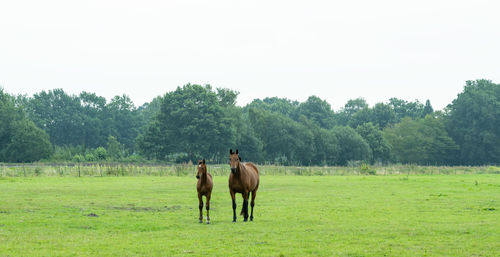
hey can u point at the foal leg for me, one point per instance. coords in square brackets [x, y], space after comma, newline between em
[208, 207]
[244, 209]
[252, 203]
[234, 204]
[200, 206]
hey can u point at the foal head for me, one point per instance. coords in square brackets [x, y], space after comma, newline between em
[234, 160]
[202, 168]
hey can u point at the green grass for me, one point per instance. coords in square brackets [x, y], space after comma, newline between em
[398, 215]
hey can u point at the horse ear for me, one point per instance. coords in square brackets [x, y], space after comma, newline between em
[203, 161]
[231, 151]
[236, 151]
[239, 158]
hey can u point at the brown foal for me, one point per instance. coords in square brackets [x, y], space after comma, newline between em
[204, 188]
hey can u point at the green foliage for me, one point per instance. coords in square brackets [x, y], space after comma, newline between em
[473, 121]
[284, 140]
[196, 122]
[317, 110]
[192, 120]
[148, 111]
[100, 153]
[85, 119]
[28, 143]
[125, 120]
[78, 158]
[381, 115]
[274, 104]
[115, 150]
[365, 169]
[352, 146]
[413, 110]
[352, 106]
[421, 141]
[20, 139]
[380, 148]
[427, 109]
[90, 157]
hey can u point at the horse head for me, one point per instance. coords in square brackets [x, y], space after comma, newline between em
[202, 168]
[234, 160]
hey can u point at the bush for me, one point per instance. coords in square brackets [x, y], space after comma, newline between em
[365, 169]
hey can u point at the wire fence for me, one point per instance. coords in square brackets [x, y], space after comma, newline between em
[126, 169]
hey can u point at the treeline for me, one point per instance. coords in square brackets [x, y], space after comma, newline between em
[195, 122]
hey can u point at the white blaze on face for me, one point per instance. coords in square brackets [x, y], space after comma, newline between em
[199, 166]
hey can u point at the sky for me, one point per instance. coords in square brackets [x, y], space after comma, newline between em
[336, 50]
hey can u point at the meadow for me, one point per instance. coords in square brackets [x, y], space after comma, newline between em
[407, 212]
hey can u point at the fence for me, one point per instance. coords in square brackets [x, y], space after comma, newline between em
[118, 169]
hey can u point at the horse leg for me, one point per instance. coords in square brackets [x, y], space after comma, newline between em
[252, 203]
[208, 207]
[200, 206]
[234, 204]
[244, 209]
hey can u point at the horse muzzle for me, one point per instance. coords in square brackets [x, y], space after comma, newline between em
[198, 177]
[233, 170]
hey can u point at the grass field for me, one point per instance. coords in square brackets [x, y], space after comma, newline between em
[396, 215]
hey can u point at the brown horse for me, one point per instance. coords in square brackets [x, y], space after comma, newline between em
[244, 178]
[204, 188]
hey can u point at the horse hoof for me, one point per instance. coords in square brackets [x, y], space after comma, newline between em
[245, 220]
[208, 222]
[234, 220]
[201, 221]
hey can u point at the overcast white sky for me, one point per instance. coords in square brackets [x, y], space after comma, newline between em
[337, 50]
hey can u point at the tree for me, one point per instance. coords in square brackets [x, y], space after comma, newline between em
[191, 120]
[148, 112]
[361, 117]
[227, 97]
[59, 114]
[28, 143]
[317, 110]
[420, 141]
[383, 115]
[427, 109]
[380, 149]
[125, 120]
[404, 109]
[96, 124]
[20, 139]
[352, 146]
[115, 150]
[473, 121]
[326, 149]
[100, 153]
[284, 140]
[350, 108]
[274, 104]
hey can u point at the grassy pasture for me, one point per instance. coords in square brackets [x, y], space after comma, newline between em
[393, 215]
